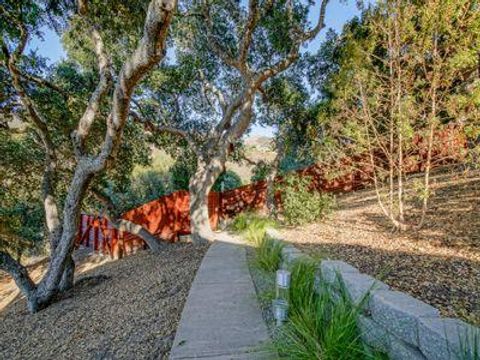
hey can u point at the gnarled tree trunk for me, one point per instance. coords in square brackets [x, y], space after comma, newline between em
[200, 186]
[150, 50]
[271, 202]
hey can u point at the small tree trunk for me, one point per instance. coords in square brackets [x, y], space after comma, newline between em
[271, 203]
[200, 186]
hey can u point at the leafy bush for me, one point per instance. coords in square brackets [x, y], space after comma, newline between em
[240, 222]
[300, 204]
[252, 225]
[144, 187]
[183, 170]
[320, 326]
[148, 186]
[180, 174]
[260, 171]
[302, 285]
[268, 254]
[228, 180]
[21, 229]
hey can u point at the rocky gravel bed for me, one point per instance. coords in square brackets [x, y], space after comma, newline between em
[439, 264]
[126, 309]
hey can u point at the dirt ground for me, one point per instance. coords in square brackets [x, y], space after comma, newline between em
[439, 264]
[125, 309]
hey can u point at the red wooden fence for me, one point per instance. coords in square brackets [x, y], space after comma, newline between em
[97, 232]
[168, 217]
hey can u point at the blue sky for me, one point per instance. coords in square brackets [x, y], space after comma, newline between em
[337, 15]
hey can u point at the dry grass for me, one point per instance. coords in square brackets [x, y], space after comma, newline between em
[126, 309]
[439, 264]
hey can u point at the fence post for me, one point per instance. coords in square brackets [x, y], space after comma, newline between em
[89, 229]
[114, 242]
[96, 229]
[104, 234]
[79, 237]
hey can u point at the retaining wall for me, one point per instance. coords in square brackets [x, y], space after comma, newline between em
[393, 322]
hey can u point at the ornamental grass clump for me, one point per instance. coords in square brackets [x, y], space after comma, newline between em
[268, 256]
[321, 325]
[252, 226]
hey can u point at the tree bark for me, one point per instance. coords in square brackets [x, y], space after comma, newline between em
[68, 275]
[271, 203]
[200, 186]
[153, 242]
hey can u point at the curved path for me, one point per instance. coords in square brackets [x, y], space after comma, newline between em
[222, 319]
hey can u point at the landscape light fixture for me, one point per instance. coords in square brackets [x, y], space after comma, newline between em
[280, 304]
[280, 310]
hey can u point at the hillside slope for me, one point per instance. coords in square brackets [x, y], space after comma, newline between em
[440, 264]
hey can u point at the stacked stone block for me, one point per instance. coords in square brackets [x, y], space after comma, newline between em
[393, 322]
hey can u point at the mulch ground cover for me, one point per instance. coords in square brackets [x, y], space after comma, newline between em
[125, 309]
[440, 264]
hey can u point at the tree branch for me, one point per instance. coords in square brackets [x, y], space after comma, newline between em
[150, 51]
[18, 272]
[44, 82]
[156, 128]
[215, 46]
[113, 216]
[283, 64]
[309, 35]
[253, 17]
[215, 91]
[40, 123]
[104, 83]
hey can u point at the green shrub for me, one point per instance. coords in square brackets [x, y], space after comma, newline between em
[320, 326]
[268, 254]
[302, 289]
[227, 180]
[300, 205]
[144, 187]
[260, 171]
[181, 172]
[240, 222]
[469, 345]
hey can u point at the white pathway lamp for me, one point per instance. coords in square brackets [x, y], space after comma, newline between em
[280, 304]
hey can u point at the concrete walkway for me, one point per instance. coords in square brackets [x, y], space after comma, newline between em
[221, 318]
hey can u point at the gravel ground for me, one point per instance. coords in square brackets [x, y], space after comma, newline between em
[439, 264]
[126, 309]
[265, 287]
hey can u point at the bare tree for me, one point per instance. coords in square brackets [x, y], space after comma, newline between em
[398, 96]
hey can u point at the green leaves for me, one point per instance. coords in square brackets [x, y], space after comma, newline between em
[300, 203]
